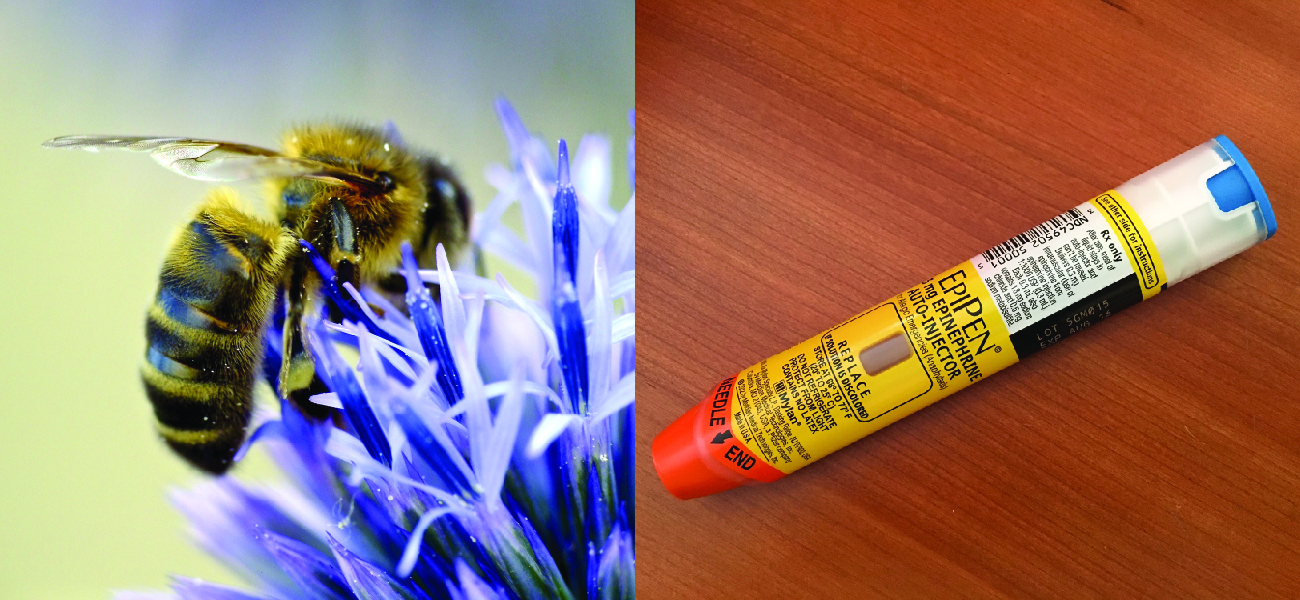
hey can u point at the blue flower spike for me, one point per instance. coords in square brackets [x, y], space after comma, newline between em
[338, 375]
[428, 322]
[440, 478]
[565, 310]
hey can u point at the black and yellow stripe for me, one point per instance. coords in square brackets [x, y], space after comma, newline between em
[204, 331]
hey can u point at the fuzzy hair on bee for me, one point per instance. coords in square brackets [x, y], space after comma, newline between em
[204, 330]
[354, 193]
[381, 221]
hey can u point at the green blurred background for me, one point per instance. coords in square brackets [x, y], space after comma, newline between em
[83, 479]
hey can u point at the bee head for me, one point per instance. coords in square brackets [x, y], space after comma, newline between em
[378, 157]
[383, 205]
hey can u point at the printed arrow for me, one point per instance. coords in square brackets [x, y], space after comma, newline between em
[722, 437]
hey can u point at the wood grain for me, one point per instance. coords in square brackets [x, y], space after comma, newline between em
[800, 162]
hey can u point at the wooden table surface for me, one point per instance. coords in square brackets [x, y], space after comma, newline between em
[800, 162]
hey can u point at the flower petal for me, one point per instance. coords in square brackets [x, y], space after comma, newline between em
[620, 245]
[599, 340]
[453, 312]
[501, 443]
[623, 327]
[623, 283]
[591, 174]
[412, 551]
[367, 581]
[197, 589]
[525, 149]
[471, 586]
[356, 406]
[611, 576]
[500, 388]
[315, 571]
[271, 429]
[532, 310]
[329, 399]
[436, 450]
[622, 395]
[549, 429]
[433, 336]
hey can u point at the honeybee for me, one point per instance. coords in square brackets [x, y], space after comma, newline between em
[353, 192]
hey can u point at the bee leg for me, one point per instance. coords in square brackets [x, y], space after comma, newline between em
[393, 288]
[343, 256]
[298, 380]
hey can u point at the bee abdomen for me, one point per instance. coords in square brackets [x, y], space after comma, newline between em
[198, 373]
[182, 351]
[204, 422]
[204, 330]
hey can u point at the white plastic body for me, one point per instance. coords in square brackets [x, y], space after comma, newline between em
[1190, 232]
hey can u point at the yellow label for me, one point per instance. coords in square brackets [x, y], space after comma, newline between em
[931, 341]
[1141, 251]
[818, 397]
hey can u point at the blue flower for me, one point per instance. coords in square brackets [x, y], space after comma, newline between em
[485, 442]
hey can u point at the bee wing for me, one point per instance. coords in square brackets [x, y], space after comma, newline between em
[210, 160]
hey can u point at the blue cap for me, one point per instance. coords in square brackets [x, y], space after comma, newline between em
[1237, 186]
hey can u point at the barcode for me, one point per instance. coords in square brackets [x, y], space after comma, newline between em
[1037, 232]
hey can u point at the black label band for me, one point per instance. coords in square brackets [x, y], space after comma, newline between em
[1077, 316]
